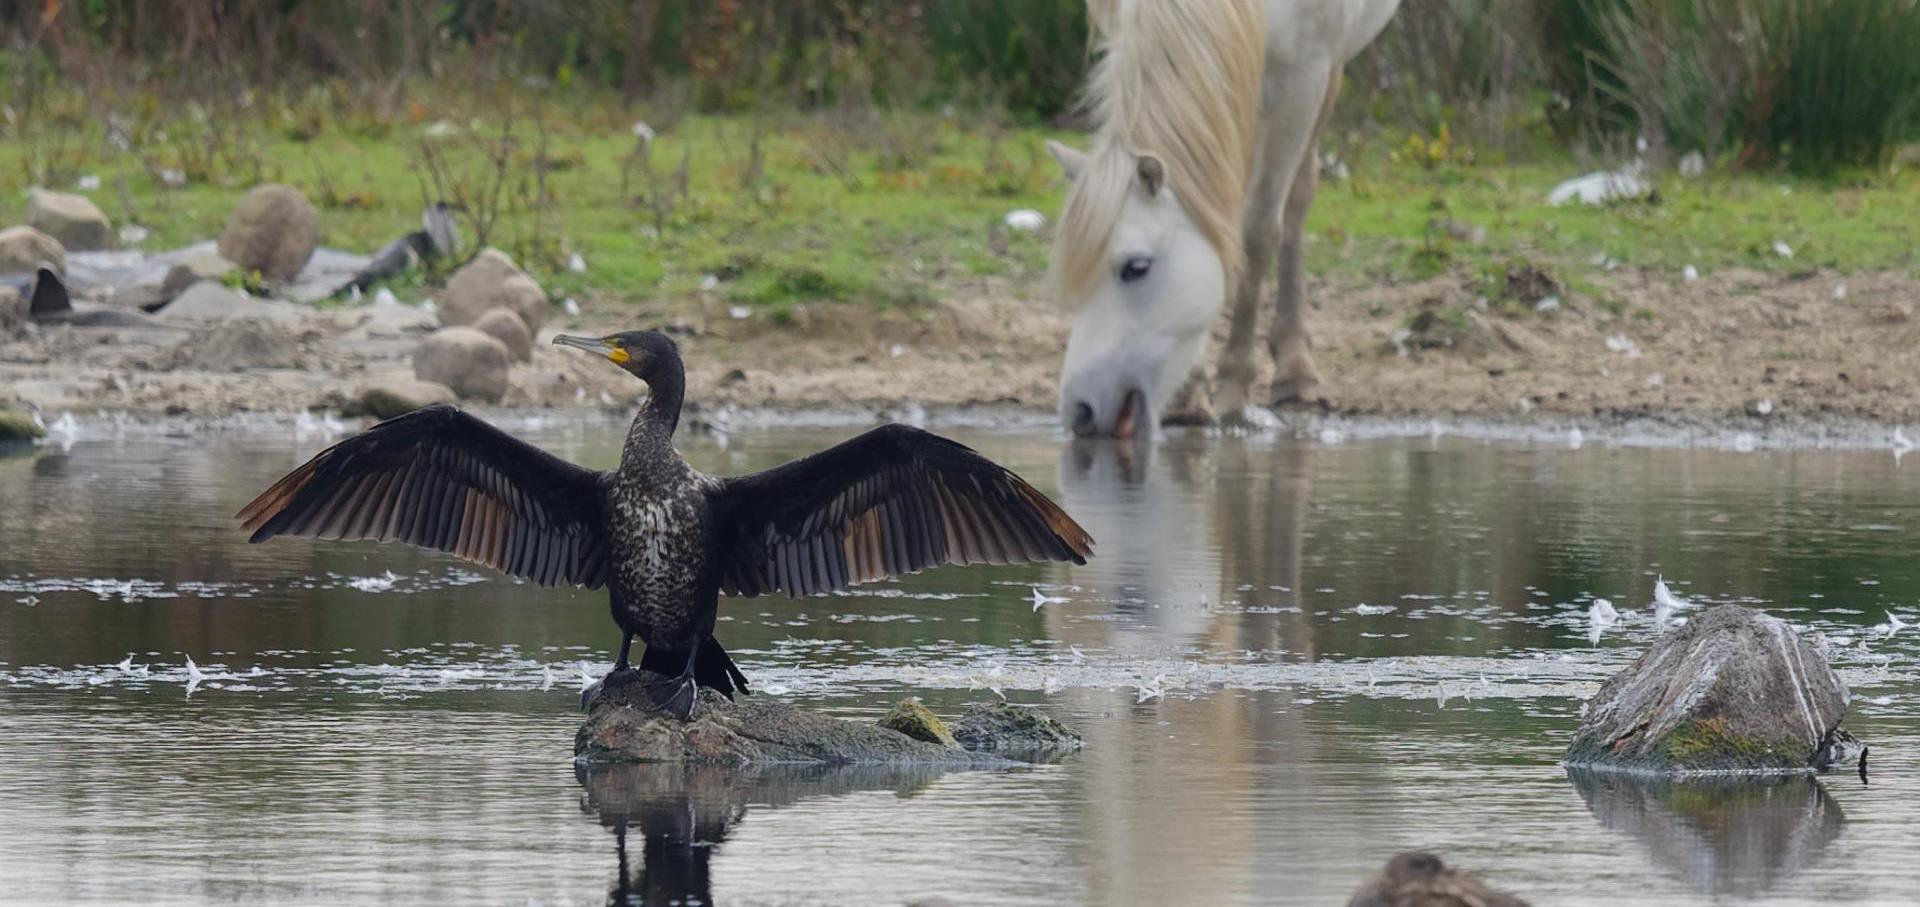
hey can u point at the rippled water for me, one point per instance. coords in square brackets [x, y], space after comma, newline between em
[1289, 662]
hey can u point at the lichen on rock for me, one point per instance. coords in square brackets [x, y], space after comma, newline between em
[624, 726]
[1733, 691]
[912, 718]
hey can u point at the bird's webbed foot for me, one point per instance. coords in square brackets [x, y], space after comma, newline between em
[676, 696]
[618, 677]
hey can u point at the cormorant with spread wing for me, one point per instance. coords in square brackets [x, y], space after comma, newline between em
[663, 538]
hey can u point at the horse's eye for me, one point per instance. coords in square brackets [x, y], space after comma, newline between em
[1134, 269]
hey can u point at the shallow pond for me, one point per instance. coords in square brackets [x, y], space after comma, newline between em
[1289, 662]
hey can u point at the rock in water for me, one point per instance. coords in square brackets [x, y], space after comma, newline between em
[624, 726]
[1022, 732]
[506, 327]
[76, 222]
[473, 364]
[1733, 691]
[18, 426]
[23, 249]
[1419, 879]
[273, 230]
[492, 281]
[387, 396]
[912, 718]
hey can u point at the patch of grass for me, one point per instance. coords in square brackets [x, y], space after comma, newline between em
[886, 208]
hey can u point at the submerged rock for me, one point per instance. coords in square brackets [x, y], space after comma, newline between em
[273, 230]
[24, 248]
[74, 220]
[1420, 879]
[473, 364]
[912, 718]
[624, 726]
[1023, 732]
[1732, 691]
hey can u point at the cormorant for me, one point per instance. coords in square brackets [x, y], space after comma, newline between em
[664, 538]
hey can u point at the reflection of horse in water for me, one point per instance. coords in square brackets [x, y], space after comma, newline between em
[1183, 526]
[1199, 178]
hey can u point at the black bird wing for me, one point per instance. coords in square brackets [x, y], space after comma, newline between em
[439, 478]
[892, 501]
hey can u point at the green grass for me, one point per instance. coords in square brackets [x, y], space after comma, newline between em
[895, 209]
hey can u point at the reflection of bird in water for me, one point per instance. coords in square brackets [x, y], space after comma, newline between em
[684, 814]
[666, 539]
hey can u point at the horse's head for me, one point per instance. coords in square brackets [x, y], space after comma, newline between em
[1144, 283]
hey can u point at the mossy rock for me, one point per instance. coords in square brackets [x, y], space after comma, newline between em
[1022, 732]
[1734, 691]
[912, 718]
[16, 426]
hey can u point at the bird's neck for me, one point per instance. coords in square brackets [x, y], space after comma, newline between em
[666, 390]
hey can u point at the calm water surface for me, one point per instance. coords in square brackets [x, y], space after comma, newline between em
[1289, 661]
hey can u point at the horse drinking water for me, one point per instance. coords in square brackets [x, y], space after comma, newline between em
[1200, 175]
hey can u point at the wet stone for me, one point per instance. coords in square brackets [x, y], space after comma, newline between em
[1024, 733]
[624, 726]
[18, 426]
[1420, 879]
[1733, 691]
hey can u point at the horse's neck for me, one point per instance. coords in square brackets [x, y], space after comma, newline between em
[1334, 30]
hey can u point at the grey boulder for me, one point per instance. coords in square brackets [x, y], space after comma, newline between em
[506, 327]
[386, 396]
[273, 230]
[74, 220]
[1732, 691]
[471, 363]
[24, 249]
[492, 281]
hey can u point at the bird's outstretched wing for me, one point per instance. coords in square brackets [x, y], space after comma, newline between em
[892, 501]
[439, 478]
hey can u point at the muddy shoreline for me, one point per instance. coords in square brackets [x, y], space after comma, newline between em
[1736, 360]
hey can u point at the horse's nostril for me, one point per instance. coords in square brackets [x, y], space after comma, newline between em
[1082, 418]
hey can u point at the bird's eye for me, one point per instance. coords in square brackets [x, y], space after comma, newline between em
[616, 342]
[1135, 268]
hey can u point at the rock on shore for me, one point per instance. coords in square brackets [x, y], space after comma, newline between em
[273, 230]
[23, 248]
[74, 220]
[1732, 691]
[492, 281]
[473, 364]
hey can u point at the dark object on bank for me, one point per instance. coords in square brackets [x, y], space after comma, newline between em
[438, 237]
[50, 303]
[666, 539]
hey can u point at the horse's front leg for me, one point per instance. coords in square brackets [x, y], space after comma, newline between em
[1294, 377]
[1291, 117]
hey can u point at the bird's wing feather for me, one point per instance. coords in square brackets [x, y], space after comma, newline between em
[440, 478]
[892, 501]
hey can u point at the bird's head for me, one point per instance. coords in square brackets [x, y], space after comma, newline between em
[647, 355]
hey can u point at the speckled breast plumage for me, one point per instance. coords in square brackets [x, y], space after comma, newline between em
[659, 546]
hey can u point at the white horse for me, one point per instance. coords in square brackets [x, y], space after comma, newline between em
[1201, 171]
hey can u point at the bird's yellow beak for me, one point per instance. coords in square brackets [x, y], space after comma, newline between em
[594, 345]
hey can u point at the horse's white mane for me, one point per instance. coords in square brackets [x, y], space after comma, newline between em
[1180, 80]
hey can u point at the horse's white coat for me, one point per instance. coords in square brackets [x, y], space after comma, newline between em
[1148, 335]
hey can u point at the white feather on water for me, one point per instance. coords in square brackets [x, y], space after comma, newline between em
[1041, 598]
[1599, 617]
[195, 676]
[1665, 603]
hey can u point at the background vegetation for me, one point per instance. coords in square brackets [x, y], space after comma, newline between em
[867, 149]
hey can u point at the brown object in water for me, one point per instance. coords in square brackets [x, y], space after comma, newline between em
[1418, 879]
